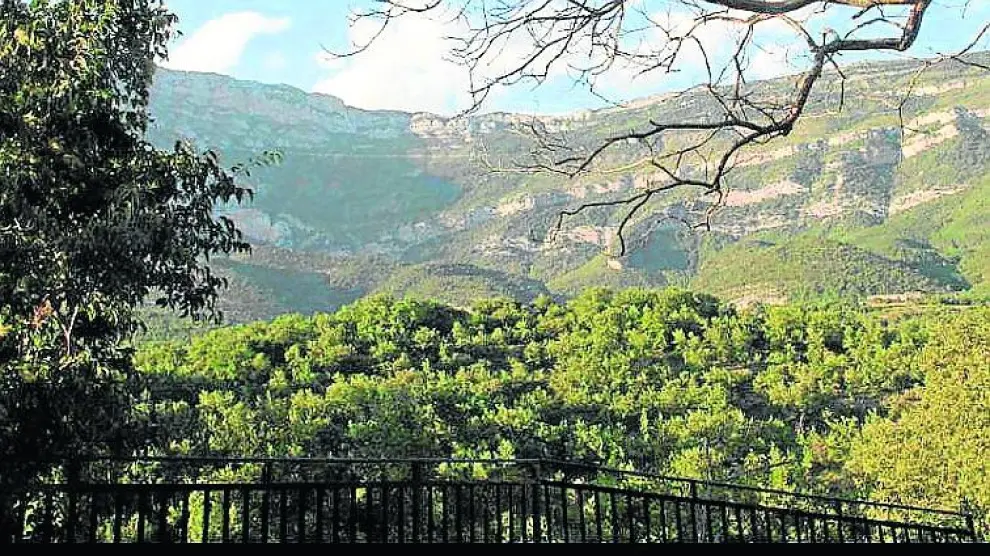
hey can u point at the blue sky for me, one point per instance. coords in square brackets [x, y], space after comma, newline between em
[282, 41]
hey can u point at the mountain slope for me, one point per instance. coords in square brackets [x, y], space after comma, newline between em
[849, 203]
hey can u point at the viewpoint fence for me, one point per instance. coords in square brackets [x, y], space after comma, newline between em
[247, 500]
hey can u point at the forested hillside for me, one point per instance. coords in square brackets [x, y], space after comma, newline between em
[828, 398]
[857, 201]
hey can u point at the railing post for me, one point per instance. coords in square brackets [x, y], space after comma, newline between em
[967, 513]
[840, 521]
[536, 490]
[266, 480]
[7, 533]
[417, 499]
[694, 509]
[72, 478]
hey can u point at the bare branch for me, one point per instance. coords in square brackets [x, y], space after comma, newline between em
[586, 39]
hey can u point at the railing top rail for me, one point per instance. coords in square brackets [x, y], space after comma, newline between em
[542, 464]
[761, 490]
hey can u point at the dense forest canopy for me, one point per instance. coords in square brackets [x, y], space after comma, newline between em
[826, 397]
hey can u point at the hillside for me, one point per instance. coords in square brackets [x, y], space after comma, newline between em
[368, 201]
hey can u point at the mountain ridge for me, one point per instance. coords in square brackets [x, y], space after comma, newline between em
[410, 189]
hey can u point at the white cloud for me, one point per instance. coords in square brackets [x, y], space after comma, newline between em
[770, 61]
[408, 67]
[405, 69]
[217, 46]
[274, 61]
[774, 49]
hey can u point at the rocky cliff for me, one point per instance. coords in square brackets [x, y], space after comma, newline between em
[860, 200]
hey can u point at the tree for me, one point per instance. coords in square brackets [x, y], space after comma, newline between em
[932, 450]
[94, 220]
[508, 42]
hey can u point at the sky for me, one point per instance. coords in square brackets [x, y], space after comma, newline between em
[286, 41]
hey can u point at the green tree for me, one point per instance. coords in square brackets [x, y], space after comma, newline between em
[94, 220]
[934, 449]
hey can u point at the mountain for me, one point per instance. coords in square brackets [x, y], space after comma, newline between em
[851, 203]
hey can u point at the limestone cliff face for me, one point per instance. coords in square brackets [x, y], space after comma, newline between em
[421, 187]
[230, 114]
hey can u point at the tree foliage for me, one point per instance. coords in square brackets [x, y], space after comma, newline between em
[934, 449]
[667, 381]
[93, 219]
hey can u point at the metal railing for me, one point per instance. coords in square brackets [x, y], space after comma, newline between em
[434, 501]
